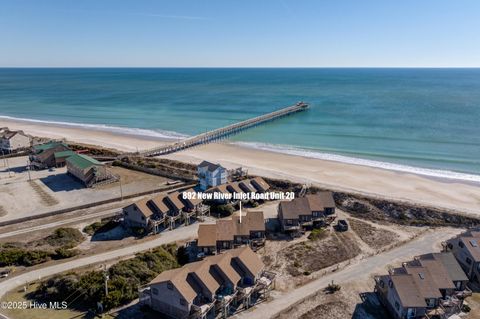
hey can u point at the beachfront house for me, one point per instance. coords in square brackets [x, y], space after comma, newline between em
[430, 285]
[313, 210]
[86, 169]
[230, 233]
[466, 249]
[43, 155]
[208, 287]
[12, 141]
[211, 175]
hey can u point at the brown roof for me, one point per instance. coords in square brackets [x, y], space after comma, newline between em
[439, 273]
[222, 261]
[207, 235]
[158, 202]
[173, 199]
[260, 184]
[248, 258]
[225, 229]
[319, 201]
[293, 209]
[178, 278]
[193, 201]
[234, 188]
[424, 281]
[252, 221]
[245, 184]
[327, 199]
[202, 270]
[143, 208]
[219, 189]
[407, 291]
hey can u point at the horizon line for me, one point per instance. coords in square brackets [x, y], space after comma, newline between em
[239, 67]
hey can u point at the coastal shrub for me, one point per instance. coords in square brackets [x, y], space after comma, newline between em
[82, 291]
[65, 237]
[13, 256]
[317, 233]
[104, 225]
[222, 210]
[333, 287]
[63, 252]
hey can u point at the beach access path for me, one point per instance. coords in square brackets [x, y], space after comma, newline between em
[363, 269]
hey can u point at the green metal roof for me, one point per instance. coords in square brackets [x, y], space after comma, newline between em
[64, 154]
[46, 146]
[82, 161]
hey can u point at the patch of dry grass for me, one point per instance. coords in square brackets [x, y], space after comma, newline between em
[311, 256]
[372, 236]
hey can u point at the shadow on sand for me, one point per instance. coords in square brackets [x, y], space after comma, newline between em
[370, 307]
[61, 183]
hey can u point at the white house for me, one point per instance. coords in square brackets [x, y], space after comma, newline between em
[211, 175]
[13, 140]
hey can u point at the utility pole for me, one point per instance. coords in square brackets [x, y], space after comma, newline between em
[121, 189]
[106, 277]
[28, 169]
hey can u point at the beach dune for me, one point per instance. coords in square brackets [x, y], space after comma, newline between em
[458, 196]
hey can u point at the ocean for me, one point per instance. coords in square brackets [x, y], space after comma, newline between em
[424, 121]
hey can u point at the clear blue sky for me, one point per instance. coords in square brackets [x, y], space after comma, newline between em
[270, 33]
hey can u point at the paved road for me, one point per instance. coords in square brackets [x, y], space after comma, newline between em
[178, 234]
[363, 269]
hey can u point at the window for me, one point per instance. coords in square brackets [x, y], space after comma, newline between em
[183, 302]
[155, 291]
[170, 286]
[143, 217]
[126, 213]
[397, 305]
[390, 284]
[450, 246]
[382, 284]
[461, 244]
[468, 261]
[430, 302]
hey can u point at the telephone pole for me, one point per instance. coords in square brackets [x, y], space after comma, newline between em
[106, 277]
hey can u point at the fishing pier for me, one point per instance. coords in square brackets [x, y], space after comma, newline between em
[223, 132]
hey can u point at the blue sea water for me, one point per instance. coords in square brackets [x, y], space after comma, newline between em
[413, 120]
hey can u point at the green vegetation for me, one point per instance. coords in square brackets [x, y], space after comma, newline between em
[222, 210]
[82, 291]
[18, 256]
[333, 287]
[65, 237]
[317, 234]
[104, 225]
[56, 246]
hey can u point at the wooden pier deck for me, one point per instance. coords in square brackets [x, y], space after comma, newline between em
[222, 132]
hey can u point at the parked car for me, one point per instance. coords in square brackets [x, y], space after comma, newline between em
[342, 225]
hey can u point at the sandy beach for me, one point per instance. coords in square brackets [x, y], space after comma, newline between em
[455, 195]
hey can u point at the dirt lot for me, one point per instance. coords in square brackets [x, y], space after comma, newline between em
[300, 260]
[349, 302]
[374, 237]
[53, 190]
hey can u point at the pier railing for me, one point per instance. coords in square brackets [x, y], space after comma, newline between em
[222, 132]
